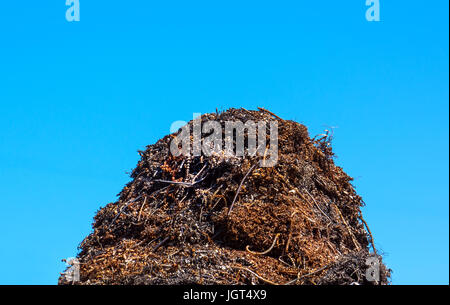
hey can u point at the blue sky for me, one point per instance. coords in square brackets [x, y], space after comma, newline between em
[79, 99]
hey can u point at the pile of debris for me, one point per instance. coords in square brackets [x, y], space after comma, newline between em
[228, 220]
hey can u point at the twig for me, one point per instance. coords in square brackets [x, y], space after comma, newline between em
[255, 274]
[195, 177]
[187, 184]
[246, 111]
[290, 232]
[158, 191]
[98, 241]
[121, 210]
[142, 207]
[306, 275]
[141, 242]
[286, 264]
[370, 233]
[161, 243]
[239, 188]
[268, 250]
[265, 110]
[317, 206]
[145, 200]
[355, 242]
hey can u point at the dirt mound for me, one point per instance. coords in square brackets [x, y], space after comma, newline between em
[228, 220]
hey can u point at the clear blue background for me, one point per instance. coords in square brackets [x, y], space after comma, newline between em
[79, 99]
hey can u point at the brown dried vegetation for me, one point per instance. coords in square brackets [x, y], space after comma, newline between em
[298, 222]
